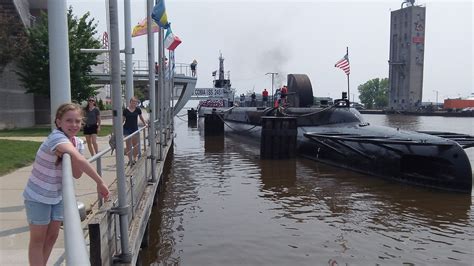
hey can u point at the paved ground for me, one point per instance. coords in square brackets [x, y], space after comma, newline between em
[14, 232]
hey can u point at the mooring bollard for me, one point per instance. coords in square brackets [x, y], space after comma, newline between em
[278, 139]
[192, 114]
[213, 125]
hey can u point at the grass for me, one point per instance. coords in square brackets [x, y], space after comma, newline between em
[26, 132]
[20, 153]
[15, 154]
[44, 131]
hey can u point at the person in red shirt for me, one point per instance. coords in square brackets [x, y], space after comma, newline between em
[265, 97]
[284, 93]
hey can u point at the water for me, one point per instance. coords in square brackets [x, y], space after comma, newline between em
[222, 205]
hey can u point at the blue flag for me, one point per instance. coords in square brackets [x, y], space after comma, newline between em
[159, 14]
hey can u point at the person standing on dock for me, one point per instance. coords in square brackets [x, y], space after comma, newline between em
[92, 125]
[242, 100]
[193, 67]
[130, 125]
[43, 192]
[277, 96]
[253, 97]
[265, 97]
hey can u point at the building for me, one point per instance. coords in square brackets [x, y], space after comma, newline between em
[458, 104]
[407, 45]
[20, 109]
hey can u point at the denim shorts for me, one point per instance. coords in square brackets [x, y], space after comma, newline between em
[128, 131]
[41, 214]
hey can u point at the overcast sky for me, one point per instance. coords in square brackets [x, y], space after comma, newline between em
[308, 37]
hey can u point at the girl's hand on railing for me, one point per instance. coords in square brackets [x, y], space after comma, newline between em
[59, 156]
[103, 190]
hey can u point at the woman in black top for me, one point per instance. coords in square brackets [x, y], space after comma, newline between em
[92, 125]
[130, 125]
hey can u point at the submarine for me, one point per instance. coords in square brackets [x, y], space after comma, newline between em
[338, 135]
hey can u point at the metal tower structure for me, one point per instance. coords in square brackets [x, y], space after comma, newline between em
[407, 46]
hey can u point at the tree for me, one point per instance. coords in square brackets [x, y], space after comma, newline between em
[34, 63]
[374, 93]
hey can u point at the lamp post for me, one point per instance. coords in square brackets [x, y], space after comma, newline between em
[273, 76]
[436, 98]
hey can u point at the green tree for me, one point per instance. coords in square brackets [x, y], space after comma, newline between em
[100, 104]
[34, 63]
[374, 93]
[12, 39]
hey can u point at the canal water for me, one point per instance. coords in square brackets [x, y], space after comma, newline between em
[222, 205]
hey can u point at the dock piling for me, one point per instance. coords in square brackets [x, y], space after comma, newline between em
[213, 125]
[192, 114]
[278, 137]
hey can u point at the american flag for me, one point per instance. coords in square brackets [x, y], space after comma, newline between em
[344, 64]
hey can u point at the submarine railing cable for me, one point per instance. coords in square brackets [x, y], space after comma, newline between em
[182, 119]
[225, 123]
[464, 140]
[382, 140]
[268, 111]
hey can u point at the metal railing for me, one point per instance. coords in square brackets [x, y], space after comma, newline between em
[75, 245]
[141, 67]
[141, 148]
[149, 138]
[74, 241]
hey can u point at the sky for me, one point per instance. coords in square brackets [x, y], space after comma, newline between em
[307, 37]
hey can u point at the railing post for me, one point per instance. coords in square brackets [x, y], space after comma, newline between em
[76, 251]
[123, 209]
[99, 171]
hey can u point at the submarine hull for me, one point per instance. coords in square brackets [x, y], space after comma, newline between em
[338, 136]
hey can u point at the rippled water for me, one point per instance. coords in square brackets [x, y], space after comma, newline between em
[222, 205]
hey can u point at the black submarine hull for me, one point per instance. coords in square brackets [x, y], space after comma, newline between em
[338, 136]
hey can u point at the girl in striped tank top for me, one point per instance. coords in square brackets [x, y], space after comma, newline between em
[43, 192]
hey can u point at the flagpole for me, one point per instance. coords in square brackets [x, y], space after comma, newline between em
[348, 88]
[152, 84]
[129, 91]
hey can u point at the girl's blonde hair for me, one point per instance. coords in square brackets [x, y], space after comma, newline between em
[66, 107]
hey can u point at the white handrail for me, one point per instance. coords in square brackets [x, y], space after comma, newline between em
[75, 245]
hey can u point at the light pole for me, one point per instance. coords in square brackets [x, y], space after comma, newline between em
[273, 76]
[436, 98]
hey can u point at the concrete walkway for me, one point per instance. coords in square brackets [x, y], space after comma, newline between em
[14, 231]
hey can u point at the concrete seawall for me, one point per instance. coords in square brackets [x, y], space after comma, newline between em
[436, 113]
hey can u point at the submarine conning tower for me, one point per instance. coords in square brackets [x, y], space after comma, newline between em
[300, 91]
[222, 82]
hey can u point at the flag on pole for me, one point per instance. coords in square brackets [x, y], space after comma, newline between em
[140, 28]
[344, 64]
[159, 14]
[171, 41]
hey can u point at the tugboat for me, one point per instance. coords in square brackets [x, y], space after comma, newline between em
[337, 135]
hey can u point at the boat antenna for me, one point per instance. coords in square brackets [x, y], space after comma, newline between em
[221, 67]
